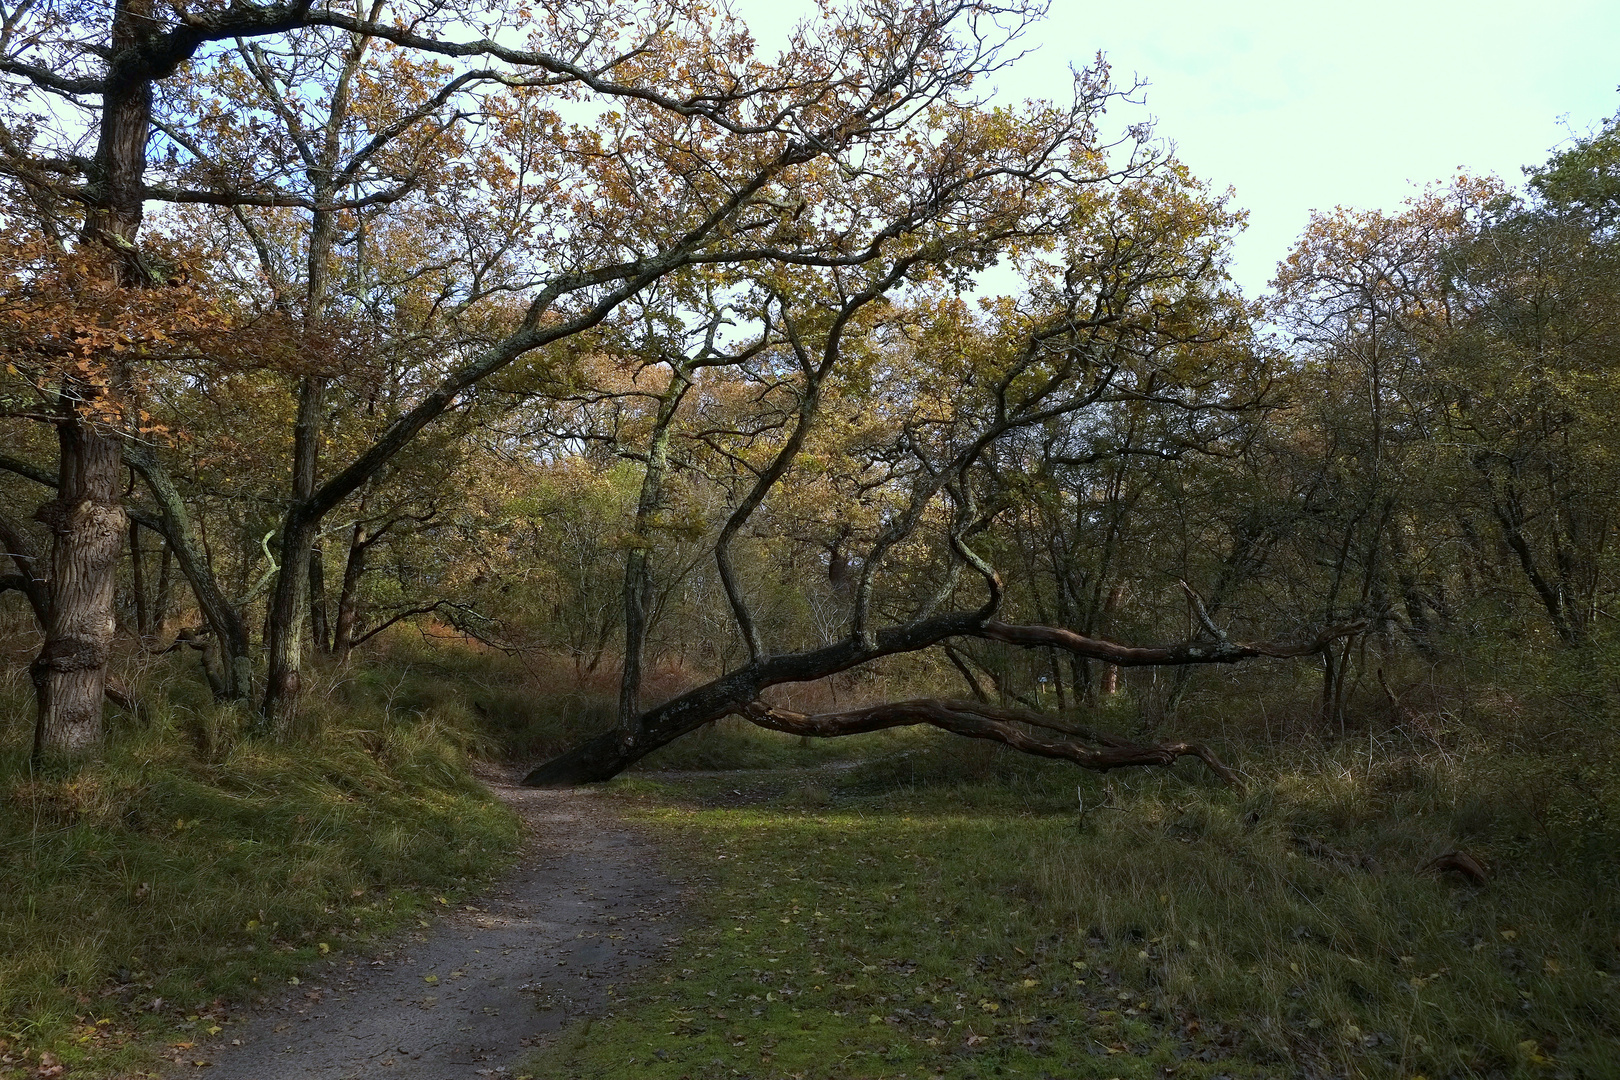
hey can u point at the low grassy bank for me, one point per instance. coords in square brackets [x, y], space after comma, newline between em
[193, 868]
[952, 912]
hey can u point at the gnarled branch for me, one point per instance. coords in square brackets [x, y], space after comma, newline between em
[1189, 652]
[980, 721]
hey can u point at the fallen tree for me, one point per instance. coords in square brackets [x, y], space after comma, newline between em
[976, 720]
[739, 694]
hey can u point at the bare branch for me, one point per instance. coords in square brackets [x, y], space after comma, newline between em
[1192, 652]
[977, 721]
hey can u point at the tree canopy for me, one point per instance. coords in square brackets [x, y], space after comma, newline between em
[596, 330]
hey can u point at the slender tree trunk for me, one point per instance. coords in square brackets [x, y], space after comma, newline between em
[348, 607]
[160, 603]
[1510, 516]
[30, 576]
[284, 622]
[137, 582]
[1116, 596]
[235, 681]
[284, 630]
[88, 525]
[319, 631]
[638, 579]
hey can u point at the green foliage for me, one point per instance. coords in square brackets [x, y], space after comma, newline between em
[192, 866]
[1586, 176]
[926, 916]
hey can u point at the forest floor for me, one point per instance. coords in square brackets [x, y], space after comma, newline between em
[894, 921]
[547, 947]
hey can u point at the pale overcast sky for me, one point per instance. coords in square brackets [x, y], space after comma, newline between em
[1312, 105]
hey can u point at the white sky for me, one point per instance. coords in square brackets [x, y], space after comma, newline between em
[1302, 105]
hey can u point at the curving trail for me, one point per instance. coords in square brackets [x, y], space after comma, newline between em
[585, 908]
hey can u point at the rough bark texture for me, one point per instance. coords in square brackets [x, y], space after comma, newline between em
[86, 520]
[88, 527]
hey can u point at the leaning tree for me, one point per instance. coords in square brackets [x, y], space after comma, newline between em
[874, 405]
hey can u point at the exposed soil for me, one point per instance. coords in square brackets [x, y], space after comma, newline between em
[587, 906]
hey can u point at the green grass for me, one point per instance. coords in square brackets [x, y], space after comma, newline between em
[192, 868]
[951, 912]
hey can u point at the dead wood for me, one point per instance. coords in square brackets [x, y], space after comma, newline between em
[976, 720]
[1461, 863]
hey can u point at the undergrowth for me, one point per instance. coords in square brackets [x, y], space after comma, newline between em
[958, 910]
[193, 868]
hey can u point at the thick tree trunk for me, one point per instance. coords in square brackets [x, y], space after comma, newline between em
[86, 519]
[88, 525]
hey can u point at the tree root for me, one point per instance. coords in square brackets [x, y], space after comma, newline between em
[976, 720]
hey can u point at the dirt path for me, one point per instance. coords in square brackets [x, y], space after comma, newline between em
[586, 907]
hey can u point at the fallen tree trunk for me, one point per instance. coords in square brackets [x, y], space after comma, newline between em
[610, 753]
[978, 721]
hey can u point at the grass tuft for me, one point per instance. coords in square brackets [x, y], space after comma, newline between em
[193, 867]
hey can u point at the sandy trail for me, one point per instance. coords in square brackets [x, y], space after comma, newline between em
[585, 908]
